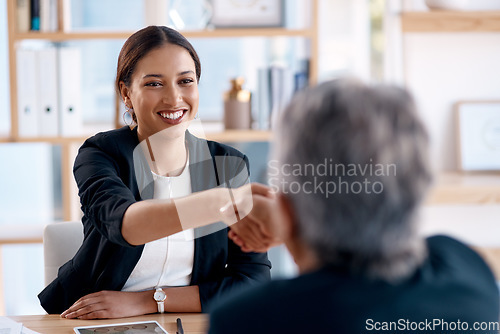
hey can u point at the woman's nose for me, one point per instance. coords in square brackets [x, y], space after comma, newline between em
[172, 95]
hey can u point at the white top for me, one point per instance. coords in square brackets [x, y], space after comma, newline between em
[167, 261]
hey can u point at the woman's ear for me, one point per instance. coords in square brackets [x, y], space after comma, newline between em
[125, 92]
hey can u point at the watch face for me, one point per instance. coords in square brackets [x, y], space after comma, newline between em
[159, 296]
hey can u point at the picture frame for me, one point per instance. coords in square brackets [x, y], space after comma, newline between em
[478, 134]
[247, 13]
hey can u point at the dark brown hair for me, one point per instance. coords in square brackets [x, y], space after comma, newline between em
[141, 43]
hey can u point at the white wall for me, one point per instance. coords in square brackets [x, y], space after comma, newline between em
[441, 69]
[444, 68]
[344, 39]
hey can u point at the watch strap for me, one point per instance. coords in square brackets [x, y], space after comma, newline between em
[161, 307]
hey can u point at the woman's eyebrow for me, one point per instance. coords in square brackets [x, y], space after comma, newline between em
[185, 72]
[152, 76]
[161, 76]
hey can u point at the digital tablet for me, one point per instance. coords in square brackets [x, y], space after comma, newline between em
[142, 327]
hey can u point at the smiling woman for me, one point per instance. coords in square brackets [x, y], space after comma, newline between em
[165, 91]
[151, 195]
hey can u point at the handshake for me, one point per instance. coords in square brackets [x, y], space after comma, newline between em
[255, 217]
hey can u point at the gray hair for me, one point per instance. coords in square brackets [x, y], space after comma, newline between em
[367, 144]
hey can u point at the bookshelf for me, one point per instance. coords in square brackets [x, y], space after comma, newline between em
[68, 143]
[465, 188]
[451, 21]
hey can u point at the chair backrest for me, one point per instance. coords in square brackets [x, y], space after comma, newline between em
[60, 243]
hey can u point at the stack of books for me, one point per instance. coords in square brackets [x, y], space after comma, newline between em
[276, 86]
[37, 15]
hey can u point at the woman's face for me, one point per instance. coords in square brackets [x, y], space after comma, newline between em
[163, 92]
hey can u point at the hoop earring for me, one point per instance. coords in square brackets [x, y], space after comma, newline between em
[130, 112]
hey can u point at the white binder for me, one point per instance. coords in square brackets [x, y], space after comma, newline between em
[48, 15]
[44, 15]
[23, 15]
[27, 95]
[70, 120]
[48, 92]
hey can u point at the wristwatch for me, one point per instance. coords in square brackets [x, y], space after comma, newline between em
[160, 297]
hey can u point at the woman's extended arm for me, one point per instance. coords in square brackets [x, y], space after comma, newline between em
[149, 220]
[111, 204]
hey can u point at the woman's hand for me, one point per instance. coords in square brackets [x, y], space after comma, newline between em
[111, 304]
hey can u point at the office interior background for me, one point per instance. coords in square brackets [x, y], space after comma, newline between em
[362, 38]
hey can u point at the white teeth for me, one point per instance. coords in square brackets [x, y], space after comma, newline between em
[174, 115]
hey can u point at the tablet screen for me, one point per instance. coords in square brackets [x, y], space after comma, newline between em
[143, 327]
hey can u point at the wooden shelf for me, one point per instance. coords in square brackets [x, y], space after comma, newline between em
[240, 136]
[451, 21]
[465, 188]
[224, 136]
[21, 234]
[216, 33]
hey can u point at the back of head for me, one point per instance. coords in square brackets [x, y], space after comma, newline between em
[352, 160]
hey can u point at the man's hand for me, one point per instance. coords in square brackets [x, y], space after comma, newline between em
[260, 227]
[111, 304]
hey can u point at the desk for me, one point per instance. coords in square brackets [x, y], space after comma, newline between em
[195, 323]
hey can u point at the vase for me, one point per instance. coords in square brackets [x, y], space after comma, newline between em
[447, 4]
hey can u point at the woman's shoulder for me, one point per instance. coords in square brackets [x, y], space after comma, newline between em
[113, 140]
[121, 134]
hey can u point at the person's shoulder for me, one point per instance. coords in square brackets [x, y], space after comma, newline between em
[113, 140]
[272, 303]
[239, 308]
[442, 244]
[456, 256]
[122, 133]
[247, 297]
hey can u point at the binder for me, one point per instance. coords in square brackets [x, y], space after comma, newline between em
[282, 84]
[48, 92]
[48, 15]
[66, 8]
[70, 111]
[44, 15]
[35, 15]
[155, 12]
[54, 15]
[27, 95]
[23, 12]
[264, 98]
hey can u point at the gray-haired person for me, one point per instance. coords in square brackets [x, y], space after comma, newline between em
[351, 168]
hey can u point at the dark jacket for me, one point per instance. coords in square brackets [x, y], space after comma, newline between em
[112, 174]
[453, 291]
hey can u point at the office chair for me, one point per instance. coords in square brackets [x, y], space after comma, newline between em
[60, 243]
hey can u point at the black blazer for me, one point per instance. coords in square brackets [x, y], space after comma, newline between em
[453, 284]
[111, 175]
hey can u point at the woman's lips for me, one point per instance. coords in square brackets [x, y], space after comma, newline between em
[173, 116]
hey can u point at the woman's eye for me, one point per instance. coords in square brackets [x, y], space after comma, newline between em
[186, 81]
[153, 84]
